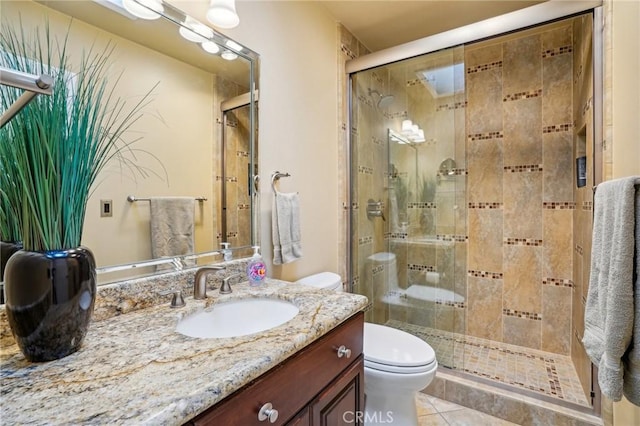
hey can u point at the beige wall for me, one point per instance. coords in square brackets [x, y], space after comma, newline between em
[622, 109]
[298, 122]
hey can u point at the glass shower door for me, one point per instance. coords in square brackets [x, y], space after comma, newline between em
[408, 159]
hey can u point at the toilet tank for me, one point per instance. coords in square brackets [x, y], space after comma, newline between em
[323, 280]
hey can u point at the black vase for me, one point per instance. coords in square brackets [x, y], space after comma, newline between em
[49, 301]
[6, 251]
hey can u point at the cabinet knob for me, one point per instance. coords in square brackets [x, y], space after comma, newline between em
[343, 351]
[267, 412]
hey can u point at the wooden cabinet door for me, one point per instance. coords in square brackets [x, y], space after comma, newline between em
[342, 402]
[301, 419]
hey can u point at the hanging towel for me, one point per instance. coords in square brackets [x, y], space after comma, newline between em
[611, 311]
[172, 220]
[631, 385]
[285, 224]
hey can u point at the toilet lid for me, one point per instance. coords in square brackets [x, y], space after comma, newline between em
[392, 347]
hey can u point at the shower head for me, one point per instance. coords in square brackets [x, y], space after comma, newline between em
[382, 101]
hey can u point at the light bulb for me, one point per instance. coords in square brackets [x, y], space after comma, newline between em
[406, 126]
[137, 8]
[229, 55]
[194, 31]
[210, 47]
[419, 137]
[222, 14]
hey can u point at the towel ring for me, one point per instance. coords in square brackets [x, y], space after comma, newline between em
[276, 176]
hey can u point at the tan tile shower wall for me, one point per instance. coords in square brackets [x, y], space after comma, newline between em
[348, 48]
[520, 178]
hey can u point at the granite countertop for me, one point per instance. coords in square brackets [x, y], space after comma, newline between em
[135, 369]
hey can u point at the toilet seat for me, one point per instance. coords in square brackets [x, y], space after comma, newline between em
[395, 351]
[400, 370]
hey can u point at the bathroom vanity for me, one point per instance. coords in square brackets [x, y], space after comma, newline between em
[134, 368]
[321, 385]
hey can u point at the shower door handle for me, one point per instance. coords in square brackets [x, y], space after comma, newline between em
[375, 209]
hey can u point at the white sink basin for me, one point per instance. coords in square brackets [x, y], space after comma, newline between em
[237, 318]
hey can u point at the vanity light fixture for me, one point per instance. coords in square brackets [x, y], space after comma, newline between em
[222, 14]
[210, 47]
[412, 131]
[195, 31]
[144, 9]
[229, 55]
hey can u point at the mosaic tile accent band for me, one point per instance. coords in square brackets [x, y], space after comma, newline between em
[554, 205]
[485, 205]
[365, 240]
[486, 136]
[549, 53]
[365, 170]
[522, 95]
[485, 274]
[397, 235]
[524, 168]
[454, 172]
[421, 205]
[522, 314]
[557, 128]
[422, 268]
[377, 269]
[449, 107]
[456, 238]
[522, 242]
[484, 67]
[559, 282]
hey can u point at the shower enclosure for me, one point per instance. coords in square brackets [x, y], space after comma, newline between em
[466, 216]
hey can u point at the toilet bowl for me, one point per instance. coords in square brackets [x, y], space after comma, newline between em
[396, 366]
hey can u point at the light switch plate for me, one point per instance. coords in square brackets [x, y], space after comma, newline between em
[106, 208]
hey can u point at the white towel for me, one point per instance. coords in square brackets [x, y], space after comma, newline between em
[611, 310]
[172, 221]
[285, 224]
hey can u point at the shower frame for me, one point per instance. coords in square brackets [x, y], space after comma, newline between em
[511, 22]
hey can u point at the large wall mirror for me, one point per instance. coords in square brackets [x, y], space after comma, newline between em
[197, 137]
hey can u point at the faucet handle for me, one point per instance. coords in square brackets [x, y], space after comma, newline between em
[177, 301]
[226, 285]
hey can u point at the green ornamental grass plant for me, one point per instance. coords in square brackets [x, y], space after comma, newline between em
[52, 151]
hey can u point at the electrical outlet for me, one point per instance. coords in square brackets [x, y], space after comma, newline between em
[106, 208]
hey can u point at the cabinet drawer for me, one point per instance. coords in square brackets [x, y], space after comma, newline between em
[294, 383]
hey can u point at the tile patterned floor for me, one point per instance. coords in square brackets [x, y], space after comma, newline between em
[538, 371]
[437, 412]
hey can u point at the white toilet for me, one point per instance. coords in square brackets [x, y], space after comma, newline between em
[396, 366]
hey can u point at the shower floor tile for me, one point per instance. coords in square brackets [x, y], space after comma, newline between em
[538, 371]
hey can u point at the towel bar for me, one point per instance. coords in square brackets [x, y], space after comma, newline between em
[276, 176]
[133, 198]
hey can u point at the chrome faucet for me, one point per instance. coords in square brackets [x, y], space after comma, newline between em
[200, 280]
